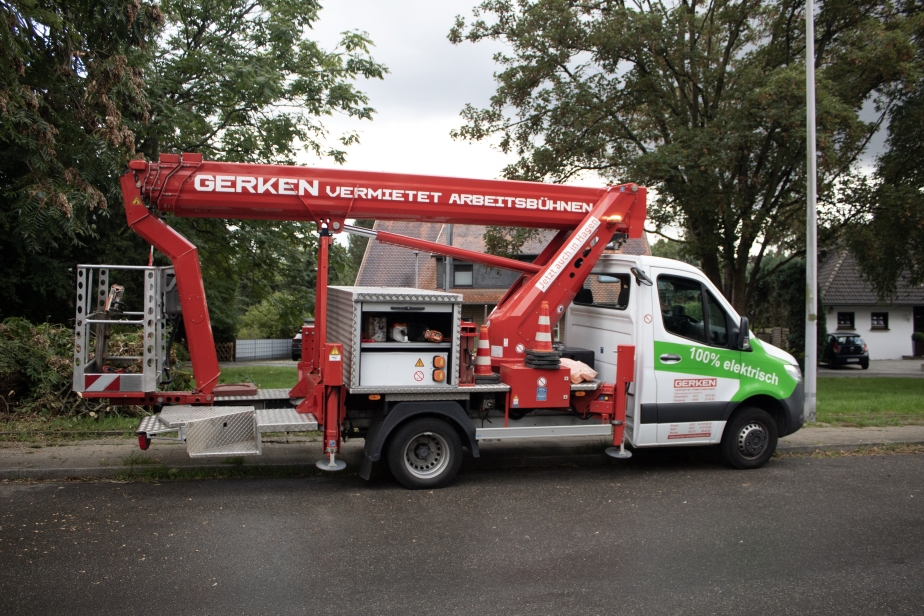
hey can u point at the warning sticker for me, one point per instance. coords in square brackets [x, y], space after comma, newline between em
[334, 354]
[136, 201]
[419, 364]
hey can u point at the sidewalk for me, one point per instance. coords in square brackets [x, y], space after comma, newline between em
[108, 458]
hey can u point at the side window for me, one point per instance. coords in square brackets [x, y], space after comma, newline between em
[682, 306]
[605, 291]
[718, 322]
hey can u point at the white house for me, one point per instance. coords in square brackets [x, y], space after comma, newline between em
[851, 306]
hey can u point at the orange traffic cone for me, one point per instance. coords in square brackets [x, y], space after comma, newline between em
[483, 372]
[542, 355]
[544, 333]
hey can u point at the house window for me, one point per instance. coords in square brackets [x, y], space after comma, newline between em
[879, 320]
[845, 320]
[462, 275]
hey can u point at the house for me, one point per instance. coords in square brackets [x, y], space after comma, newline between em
[481, 287]
[851, 305]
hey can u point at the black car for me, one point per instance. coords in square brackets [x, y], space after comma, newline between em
[843, 349]
[297, 347]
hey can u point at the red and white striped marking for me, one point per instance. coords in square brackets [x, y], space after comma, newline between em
[544, 332]
[483, 357]
[101, 382]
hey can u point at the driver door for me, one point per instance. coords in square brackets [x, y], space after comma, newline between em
[692, 335]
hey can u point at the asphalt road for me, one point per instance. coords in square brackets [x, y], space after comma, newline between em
[663, 534]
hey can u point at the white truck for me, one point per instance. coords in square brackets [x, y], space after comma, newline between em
[399, 367]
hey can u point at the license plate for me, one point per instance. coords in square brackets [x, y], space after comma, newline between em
[852, 359]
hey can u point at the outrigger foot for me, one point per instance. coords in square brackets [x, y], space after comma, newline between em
[331, 464]
[618, 452]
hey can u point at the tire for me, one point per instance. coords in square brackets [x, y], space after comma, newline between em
[750, 439]
[425, 454]
[864, 363]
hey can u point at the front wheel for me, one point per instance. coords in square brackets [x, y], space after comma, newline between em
[425, 454]
[750, 439]
[864, 363]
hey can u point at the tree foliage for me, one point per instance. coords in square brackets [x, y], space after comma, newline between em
[89, 85]
[888, 238]
[702, 101]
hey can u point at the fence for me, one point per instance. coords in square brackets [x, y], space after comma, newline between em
[248, 350]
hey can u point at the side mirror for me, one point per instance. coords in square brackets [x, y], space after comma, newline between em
[744, 335]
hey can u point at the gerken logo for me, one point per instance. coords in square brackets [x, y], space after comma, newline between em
[695, 383]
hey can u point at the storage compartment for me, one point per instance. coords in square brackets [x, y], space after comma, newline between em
[359, 316]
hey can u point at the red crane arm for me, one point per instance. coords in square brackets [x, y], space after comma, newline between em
[192, 187]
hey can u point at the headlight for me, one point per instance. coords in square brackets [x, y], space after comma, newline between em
[794, 371]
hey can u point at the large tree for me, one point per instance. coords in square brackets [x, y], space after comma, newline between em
[242, 81]
[888, 237]
[89, 85]
[702, 101]
[71, 88]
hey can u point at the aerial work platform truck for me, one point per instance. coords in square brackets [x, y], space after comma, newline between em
[400, 368]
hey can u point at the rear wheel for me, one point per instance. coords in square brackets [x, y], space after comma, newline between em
[750, 439]
[425, 454]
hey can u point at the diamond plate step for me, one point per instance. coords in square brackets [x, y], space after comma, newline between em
[224, 434]
[152, 425]
[285, 420]
[180, 415]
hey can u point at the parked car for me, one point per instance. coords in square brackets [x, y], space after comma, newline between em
[297, 347]
[843, 349]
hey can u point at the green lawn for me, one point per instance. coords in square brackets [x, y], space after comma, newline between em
[875, 401]
[265, 377]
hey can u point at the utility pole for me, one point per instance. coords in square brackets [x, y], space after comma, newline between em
[811, 224]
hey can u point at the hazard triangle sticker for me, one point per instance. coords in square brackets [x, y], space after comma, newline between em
[419, 364]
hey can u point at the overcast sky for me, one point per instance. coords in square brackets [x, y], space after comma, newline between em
[419, 101]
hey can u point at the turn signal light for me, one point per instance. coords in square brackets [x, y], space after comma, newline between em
[439, 361]
[439, 376]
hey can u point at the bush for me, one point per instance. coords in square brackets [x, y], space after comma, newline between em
[36, 369]
[918, 336]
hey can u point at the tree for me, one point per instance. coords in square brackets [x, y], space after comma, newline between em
[240, 81]
[888, 239]
[71, 89]
[87, 81]
[702, 101]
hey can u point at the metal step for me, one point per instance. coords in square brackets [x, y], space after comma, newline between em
[225, 430]
[285, 420]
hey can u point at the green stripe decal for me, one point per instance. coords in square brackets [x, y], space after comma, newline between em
[756, 371]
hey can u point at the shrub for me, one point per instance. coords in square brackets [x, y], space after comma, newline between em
[36, 369]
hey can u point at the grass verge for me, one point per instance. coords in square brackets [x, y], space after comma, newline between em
[264, 377]
[49, 431]
[867, 402]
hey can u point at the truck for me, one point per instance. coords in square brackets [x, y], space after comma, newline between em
[676, 364]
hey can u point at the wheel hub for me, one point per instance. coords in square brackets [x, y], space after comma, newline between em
[752, 440]
[426, 455]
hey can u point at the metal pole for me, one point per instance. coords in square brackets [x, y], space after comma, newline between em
[811, 223]
[416, 270]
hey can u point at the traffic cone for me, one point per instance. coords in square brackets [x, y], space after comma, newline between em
[542, 355]
[544, 333]
[483, 372]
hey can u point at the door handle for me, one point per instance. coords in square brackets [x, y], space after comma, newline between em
[670, 359]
